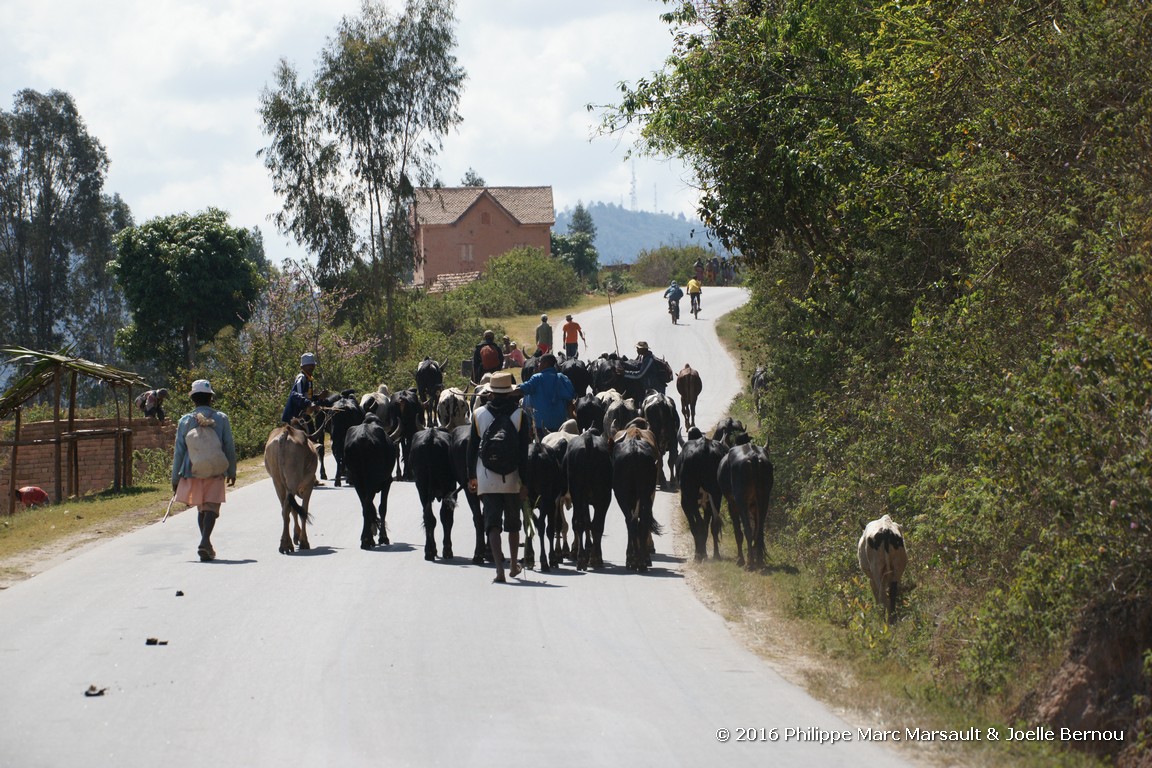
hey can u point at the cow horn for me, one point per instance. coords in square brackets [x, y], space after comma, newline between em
[394, 435]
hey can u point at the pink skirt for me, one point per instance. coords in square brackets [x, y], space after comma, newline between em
[195, 491]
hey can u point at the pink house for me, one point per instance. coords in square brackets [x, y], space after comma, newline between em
[458, 229]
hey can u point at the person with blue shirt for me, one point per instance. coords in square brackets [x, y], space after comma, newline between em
[192, 486]
[548, 394]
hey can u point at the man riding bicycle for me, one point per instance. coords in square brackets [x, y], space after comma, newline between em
[673, 295]
[694, 291]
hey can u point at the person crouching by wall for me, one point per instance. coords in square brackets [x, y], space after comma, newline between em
[204, 458]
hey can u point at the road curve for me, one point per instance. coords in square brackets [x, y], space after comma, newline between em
[341, 657]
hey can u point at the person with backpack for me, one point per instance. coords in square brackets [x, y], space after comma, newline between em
[548, 394]
[497, 458]
[203, 460]
[488, 357]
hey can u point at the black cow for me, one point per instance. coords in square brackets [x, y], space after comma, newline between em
[369, 455]
[547, 488]
[589, 412]
[429, 383]
[745, 476]
[405, 412]
[731, 432]
[435, 481]
[700, 495]
[531, 366]
[664, 421]
[604, 373]
[588, 465]
[340, 413]
[577, 373]
[459, 451]
[634, 461]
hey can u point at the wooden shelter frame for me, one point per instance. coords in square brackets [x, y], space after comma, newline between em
[49, 369]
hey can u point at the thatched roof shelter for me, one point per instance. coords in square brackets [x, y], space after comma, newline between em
[49, 369]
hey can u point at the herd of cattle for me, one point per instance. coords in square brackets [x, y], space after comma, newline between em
[616, 443]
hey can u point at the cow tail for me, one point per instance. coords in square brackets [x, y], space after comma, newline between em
[306, 517]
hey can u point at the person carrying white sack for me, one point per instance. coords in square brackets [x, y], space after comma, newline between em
[203, 460]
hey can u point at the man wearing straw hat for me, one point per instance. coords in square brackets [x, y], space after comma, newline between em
[500, 492]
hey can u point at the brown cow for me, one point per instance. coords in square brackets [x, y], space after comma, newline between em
[688, 385]
[291, 460]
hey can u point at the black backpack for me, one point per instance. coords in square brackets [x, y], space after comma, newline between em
[663, 370]
[500, 445]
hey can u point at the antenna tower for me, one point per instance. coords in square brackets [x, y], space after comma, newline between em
[634, 204]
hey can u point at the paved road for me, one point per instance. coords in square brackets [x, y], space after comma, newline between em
[341, 657]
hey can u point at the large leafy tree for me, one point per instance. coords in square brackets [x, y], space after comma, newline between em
[349, 147]
[186, 277]
[56, 228]
[581, 222]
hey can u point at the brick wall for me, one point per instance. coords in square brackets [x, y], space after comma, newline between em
[36, 464]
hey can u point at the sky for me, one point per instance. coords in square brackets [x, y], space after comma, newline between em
[171, 89]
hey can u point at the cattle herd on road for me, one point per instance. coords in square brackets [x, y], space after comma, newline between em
[617, 443]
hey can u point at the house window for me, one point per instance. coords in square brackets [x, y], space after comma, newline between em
[466, 252]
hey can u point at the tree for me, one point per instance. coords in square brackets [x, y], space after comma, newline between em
[472, 179]
[186, 277]
[576, 250]
[55, 228]
[581, 222]
[348, 149]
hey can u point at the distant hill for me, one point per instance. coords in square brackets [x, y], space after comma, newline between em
[621, 234]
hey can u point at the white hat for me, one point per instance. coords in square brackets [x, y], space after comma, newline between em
[502, 383]
[307, 359]
[201, 386]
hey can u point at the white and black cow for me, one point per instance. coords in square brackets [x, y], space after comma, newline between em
[883, 559]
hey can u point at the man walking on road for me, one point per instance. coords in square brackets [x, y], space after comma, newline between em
[543, 336]
[571, 330]
[497, 458]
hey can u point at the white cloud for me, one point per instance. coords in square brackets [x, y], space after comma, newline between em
[172, 90]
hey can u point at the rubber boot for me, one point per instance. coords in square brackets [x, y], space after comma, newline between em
[207, 520]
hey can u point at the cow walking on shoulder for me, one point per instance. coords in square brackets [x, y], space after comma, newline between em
[883, 559]
[745, 476]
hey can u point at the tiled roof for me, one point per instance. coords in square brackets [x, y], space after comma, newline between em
[450, 280]
[445, 205]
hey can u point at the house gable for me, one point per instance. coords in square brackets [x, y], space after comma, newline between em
[458, 229]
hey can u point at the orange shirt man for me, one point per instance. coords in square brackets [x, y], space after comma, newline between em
[571, 331]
